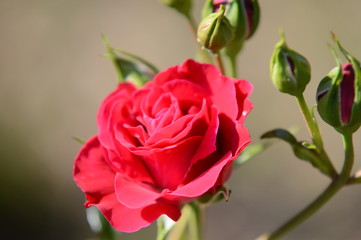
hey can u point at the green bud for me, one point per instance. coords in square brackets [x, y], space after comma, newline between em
[244, 17]
[289, 70]
[215, 31]
[182, 6]
[339, 94]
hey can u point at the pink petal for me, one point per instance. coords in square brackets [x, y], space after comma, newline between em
[96, 179]
[132, 219]
[209, 78]
[243, 91]
[111, 111]
[129, 164]
[208, 144]
[169, 165]
[153, 211]
[188, 125]
[134, 194]
[205, 181]
[243, 138]
[91, 172]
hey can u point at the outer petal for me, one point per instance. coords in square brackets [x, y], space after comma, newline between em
[131, 220]
[96, 179]
[134, 194]
[243, 90]
[205, 181]
[111, 111]
[91, 173]
[115, 110]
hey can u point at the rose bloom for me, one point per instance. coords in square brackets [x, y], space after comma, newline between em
[164, 144]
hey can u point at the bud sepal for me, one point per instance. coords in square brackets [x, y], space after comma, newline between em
[182, 6]
[289, 70]
[215, 31]
[243, 15]
[339, 94]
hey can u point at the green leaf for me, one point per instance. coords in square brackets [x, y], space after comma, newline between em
[134, 69]
[139, 59]
[281, 134]
[303, 150]
[79, 140]
[113, 57]
[251, 151]
[222, 194]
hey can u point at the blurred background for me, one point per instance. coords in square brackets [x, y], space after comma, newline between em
[53, 78]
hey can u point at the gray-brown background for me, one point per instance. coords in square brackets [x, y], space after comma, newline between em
[52, 80]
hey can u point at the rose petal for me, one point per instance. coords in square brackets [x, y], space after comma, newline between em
[243, 91]
[91, 172]
[209, 78]
[96, 179]
[186, 92]
[169, 165]
[129, 164]
[189, 125]
[232, 135]
[131, 220]
[134, 194]
[111, 111]
[153, 211]
[205, 181]
[208, 144]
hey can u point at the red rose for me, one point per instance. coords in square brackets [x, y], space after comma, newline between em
[164, 144]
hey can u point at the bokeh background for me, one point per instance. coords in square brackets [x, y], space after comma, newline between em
[53, 78]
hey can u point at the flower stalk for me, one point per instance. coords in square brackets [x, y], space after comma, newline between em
[330, 191]
[354, 180]
[190, 226]
[315, 134]
[220, 64]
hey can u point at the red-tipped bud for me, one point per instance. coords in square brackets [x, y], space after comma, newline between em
[339, 95]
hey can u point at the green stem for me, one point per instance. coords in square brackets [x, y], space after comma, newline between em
[220, 62]
[331, 190]
[232, 64]
[312, 126]
[161, 231]
[354, 180]
[315, 134]
[189, 226]
[196, 221]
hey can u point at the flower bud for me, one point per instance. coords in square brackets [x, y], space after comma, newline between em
[289, 70]
[182, 6]
[339, 95]
[215, 31]
[243, 15]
